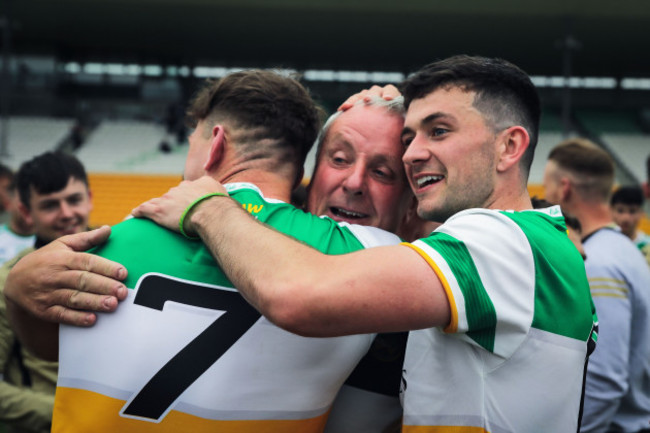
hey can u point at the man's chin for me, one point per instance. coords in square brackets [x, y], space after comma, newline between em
[72, 231]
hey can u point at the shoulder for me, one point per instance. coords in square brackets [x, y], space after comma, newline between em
[478, 227]
[322, 233]
[371, 236]
[610, 245]
[612, 254]
[135, 235]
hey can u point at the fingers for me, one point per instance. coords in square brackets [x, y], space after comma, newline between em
[76, 306]
[54, 278]
[86, 240]
[144, 210]
[72, 317]
[388, 92]
[168, 209]
[86, 273]
[79, 301]
[96, 274]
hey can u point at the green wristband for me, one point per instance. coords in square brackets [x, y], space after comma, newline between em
[192, 206]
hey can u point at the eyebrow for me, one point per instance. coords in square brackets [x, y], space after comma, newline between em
[430, 118]
[48, 202]
[346, 145]
[339, 138]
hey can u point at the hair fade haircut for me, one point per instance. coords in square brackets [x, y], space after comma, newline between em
[504, 94]
[277, 104]
[47, 173]
[591, 166]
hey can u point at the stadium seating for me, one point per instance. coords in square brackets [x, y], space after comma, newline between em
[31, 136]
[129, 147]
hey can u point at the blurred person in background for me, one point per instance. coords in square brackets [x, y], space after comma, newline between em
[627, 212]
[646, 189]
[6, 178]
[55, 199]
[16, 234]
[579, 176]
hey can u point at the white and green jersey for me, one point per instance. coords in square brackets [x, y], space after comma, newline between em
[512, 358]
[185, 352]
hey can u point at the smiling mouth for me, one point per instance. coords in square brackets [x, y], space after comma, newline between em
[347, 214]
[69, 228]
[428, 180]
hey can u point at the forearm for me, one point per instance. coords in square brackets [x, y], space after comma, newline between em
[309, 293]
[39, 336]
[232, 234]
[19, 406]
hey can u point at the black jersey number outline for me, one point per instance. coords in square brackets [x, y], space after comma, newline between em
[155, 399]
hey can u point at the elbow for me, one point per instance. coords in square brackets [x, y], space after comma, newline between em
[290, 308]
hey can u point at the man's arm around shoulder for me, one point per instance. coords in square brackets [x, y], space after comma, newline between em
[59, 283]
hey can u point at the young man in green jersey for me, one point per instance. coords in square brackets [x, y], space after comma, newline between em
[251, 127]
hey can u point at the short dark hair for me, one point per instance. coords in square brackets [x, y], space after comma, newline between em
[629, 195]
[255, 99]
[504, 93]
[47, 173]
[589, 162]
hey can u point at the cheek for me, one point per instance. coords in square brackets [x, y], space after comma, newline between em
[325, 181]
[388, 199]
[83, 210]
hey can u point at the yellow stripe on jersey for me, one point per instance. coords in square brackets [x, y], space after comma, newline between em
[78, 410]
[453, 324]
[442, 429]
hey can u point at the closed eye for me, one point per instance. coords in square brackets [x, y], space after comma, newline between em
[381, 173]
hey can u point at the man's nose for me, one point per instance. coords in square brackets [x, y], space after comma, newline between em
[66, 210]
[415, 152]
[355, 182]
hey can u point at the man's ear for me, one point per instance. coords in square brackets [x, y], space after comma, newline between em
[217, 148]
[25, 213]
[646, 189]
[565, 189]
[513, 144]
[298, 180]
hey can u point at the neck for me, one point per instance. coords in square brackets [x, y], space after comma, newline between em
[273, 185]
[509, 198]
[19, 227]
[592, 216]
